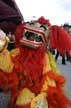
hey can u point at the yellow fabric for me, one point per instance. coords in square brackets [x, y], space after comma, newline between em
[50, 64]
[53, 63]
[25, 97]
[47, 66]
[14, 52]
[39, 102]
[6, 64]
[44, 87]
[48, 82]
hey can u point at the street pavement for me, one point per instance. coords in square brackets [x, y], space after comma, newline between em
[64, 69]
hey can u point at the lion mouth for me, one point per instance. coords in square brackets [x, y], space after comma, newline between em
[32, 36]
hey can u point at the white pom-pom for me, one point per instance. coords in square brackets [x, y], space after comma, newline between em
[2, 34]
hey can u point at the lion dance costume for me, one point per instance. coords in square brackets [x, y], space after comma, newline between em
[40, 84]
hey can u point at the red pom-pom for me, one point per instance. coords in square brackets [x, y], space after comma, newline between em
[42, 20]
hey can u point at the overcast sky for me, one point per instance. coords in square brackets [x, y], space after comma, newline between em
[57, 11]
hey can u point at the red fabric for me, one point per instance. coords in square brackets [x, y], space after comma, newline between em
[32, 61]
[55, 95]
[18, 35]
[22, 106]
[59, 39]
[59, 79]
[44, 21]
[9, 80]
[57, 99]
[13, 81]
